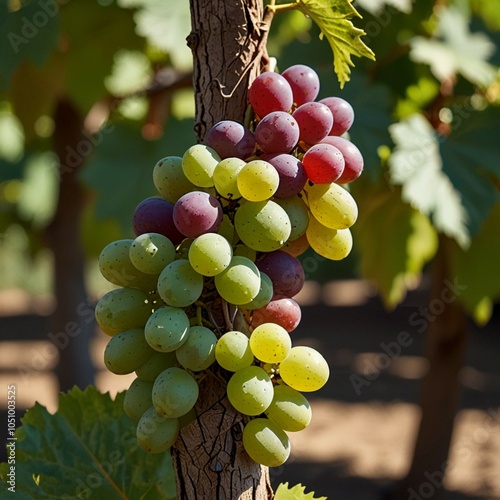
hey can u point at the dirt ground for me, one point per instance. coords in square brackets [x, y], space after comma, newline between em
[360, 440]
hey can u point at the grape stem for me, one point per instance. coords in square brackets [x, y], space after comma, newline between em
[227, 319]
[283, 7]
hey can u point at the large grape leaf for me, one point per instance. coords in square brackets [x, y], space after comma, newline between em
[456, 50]
[87, 449]
[297, 492]
[333, 17]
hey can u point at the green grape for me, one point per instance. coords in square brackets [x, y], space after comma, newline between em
[198, 165]
[239, 283]
[304, 369]
[126, 351]
[298, 213]
[258, 180]
[245, 251]
[151, 252]
[210, 254]
[198, 352]
[263, 226]
[179, 285]
[156, 433]
[250, 390]
[233, 352]
[270, 343]
[333, 244]
[266, 443]
[122, 309]
[289, 409]
[138, 398]
[175, 392]
[332, 205]
[155, 364]
[167, 329]
[169, 179]
[264, 296]
[115, 265]
[224, 176]
[227, 230]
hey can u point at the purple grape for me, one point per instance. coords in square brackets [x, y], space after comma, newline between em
[352, 156]
[270, 92]
[231, 139]
[304, 82]
[323, 163]
[315, 121]
[293, 177]
[343, 114]
[284, 270]
[155, 215]
[197, 213]
[277, 132]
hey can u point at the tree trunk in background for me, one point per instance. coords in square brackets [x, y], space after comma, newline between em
[72, 322]
[446, 340]
[228, 44]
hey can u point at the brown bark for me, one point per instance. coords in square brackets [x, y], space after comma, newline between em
[228, 43]
[446, 340]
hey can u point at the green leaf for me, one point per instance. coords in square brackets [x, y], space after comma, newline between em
[296, 493]
[393, 240]
[456, 50]
[87, 449]
[333, 19]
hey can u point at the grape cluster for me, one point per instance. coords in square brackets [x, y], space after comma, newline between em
[207, 286]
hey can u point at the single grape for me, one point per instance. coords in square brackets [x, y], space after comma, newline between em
[285, 271]
[270, 343]
[250, 390]
[167, 329]
[198, 352]
[156, 433]
[315, 121]
[126, 351]
[198, 164]
[277, 132]
[244, 251]
[155, 364]
[155, 215]
[270, 92]
[233, 352]
[239, 283]
[323, 163]
[138, 398]
[226, 229]
[352, 157]
[151, 252]
[264, 296]
[304, 369]
[231, 139]
[258, 180]
[332, 205]
[298, 213]
[175, 392]
[283, 311]
[122, 309]
[304, 82]
[197, 213]
[263, 226]
[210, 254]
[289, 409]
[115, 266]
[169, 178]
[266, 443]
[333, 244]
[179, 285]
[343, 114]
[225, 175]
[291, 173]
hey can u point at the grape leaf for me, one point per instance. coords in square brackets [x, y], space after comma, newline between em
[88, 448]
[333, 19]
[456, 50]
[297, 492]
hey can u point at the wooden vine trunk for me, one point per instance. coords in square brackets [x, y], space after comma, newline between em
[228, 43]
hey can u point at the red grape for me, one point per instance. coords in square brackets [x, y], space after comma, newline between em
[277, 132]
[304, 82]
[283, 311]
[343, 114]
[352, 157]
[292, 174]
[323, 163]
[270, 92]
[230, 139]
[315, 121]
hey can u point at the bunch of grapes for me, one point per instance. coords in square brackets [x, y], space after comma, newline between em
[206, 288]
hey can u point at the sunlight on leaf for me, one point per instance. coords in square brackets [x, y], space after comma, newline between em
[374, 7]
[296, 493]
